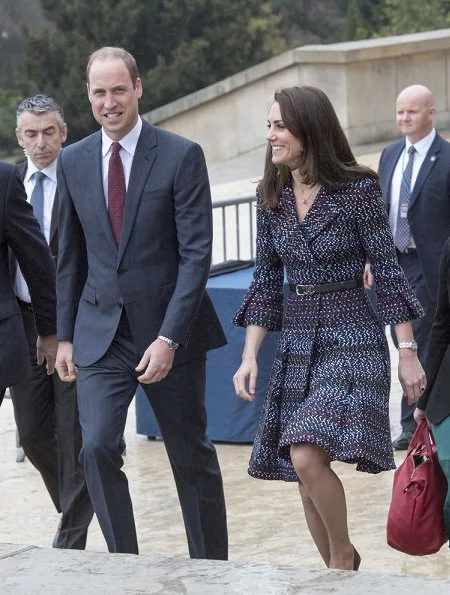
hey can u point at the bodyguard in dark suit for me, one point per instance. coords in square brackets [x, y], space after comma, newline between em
[20, 233]
[435, 401]
[135, 212]
[45, 408]
[415, 179]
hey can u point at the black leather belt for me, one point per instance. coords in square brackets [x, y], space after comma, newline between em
[25, 305]
[408, 250]
[326, 287]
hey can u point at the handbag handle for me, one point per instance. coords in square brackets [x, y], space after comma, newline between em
[422, 437]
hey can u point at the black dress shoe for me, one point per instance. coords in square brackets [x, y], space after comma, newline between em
[402, 442]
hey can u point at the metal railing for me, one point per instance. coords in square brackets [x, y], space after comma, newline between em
[234, 227]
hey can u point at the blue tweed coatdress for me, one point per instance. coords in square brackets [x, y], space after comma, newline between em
[330, 380]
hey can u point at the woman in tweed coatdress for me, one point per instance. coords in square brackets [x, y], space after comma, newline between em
[320, 218]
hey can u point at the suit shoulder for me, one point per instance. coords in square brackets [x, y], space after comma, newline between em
[7, 169]
[79, 146]
[445, 144]
[9, 179]
[171, 138]
[395, 146]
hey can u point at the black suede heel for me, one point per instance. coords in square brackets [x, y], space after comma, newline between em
[356, 559]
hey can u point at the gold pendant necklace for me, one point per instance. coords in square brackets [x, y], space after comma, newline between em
[305, 200]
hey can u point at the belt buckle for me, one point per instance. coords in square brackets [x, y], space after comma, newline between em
[306, 289]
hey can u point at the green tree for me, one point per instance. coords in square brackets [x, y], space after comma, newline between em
[179, 46]
[363, 18]
[306, 21]
[206, 42]
[8, 104]
[412, 16]
[55, 58]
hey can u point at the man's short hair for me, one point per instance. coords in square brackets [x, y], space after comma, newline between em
[40, 104]
[114, 53]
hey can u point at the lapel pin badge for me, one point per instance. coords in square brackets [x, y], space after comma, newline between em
[433, 158]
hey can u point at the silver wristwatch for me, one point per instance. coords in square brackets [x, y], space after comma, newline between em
[408, 345]
[172, 344]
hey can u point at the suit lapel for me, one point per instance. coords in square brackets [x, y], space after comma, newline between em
[390, 168]
[22, 167]
[321, 214]
[93, 166]
[431, 158]
[54, 219]
[143, 160]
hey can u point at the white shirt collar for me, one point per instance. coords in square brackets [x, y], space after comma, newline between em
[128, 142]
[423, 145]
[49, 171]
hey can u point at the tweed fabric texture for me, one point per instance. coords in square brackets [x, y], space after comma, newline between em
[330, 379]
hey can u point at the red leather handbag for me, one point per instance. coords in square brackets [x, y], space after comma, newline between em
[415, 523]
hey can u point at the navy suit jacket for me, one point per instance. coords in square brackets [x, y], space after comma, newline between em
[20, 233]
[435, 400]
[159, 271]
[429, 208]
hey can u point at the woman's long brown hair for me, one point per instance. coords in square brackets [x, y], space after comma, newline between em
[327, 157]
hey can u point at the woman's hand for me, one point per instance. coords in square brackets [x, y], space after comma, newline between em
[419, 415]
[411, 375]
[368, 277]
[245, 379]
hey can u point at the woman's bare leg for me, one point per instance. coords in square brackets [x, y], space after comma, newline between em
[325, 489]
[315, 524]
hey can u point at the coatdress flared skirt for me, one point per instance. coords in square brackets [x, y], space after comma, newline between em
[329, 386]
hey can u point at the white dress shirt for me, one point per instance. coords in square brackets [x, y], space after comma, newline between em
[422, 147]
[49, 185]
[128, 144]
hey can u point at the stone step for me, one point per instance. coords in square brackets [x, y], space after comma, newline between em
[29, 570]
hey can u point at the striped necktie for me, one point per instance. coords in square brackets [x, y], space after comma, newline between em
[402, 233]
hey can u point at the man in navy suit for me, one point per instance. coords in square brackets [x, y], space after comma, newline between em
[20, 234]
[45, 408]
[419, 214]
[135, 241]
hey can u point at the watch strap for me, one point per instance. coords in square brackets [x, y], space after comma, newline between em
[172, 344]
[408, 345]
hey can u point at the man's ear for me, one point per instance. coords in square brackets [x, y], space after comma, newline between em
[63, 133]
[19, 138]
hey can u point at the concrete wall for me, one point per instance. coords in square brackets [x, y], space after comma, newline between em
[362, 79]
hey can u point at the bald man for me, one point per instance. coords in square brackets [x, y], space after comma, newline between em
[415, 179]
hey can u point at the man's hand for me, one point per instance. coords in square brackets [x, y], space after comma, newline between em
[65, 367]
[419, 415]
[46, 351]
[157, 362]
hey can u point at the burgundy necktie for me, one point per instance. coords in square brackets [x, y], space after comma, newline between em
[116, 191]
